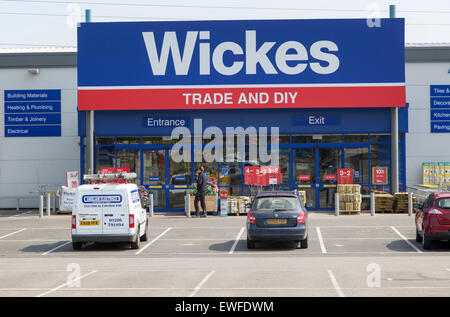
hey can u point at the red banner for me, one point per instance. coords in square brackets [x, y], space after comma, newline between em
[262, 175]
[113, 170]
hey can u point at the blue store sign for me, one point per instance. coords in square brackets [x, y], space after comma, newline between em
[32, 113]
[440, 108]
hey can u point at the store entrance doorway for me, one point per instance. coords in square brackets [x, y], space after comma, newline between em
[315, 172]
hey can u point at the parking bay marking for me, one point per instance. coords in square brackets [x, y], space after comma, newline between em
[154, 240]
[238, 237]
[10, 234]
[202, 282]
[322, 245]
[406, 240]
[65, 284]
[335, 284]
[58, 247]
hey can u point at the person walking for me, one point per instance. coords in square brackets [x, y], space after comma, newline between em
[201, 192]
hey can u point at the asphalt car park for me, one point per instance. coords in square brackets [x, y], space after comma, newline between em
[347, 256]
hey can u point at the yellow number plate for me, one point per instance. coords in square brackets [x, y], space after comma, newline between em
[90, 223]
[276, 221]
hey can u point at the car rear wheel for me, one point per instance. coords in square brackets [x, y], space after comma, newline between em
[77, 245]
[418, 236]
[426, 242]
[302, 244]
[136, 244]
[251, 244]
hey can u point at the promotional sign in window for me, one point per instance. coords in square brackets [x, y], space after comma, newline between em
[262, 175]
[379, 175]
[345, 176]
[72, 180]
[322, 63]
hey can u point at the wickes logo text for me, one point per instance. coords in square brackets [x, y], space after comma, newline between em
[291, 57]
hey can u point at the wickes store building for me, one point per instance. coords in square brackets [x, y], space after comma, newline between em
[331, 87]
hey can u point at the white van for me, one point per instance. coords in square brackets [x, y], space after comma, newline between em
[108, 213]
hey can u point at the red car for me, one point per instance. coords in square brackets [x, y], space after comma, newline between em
[433, 219]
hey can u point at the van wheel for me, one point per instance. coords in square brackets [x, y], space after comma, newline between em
[136, 244]
[145, 237]
[77, 245]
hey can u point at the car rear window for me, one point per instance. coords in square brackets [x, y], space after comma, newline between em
[443, 203]
[276, 203]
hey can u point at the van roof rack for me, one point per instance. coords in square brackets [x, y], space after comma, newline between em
[109, 178]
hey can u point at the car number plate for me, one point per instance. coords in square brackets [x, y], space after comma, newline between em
[276, 221]
[89, 223]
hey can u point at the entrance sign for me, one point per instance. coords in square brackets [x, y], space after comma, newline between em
[241, 64]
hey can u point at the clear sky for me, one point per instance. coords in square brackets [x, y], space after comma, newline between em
[25, 23]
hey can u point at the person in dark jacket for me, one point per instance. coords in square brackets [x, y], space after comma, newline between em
[201, 191]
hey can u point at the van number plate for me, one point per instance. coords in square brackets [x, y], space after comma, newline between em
[90, 223]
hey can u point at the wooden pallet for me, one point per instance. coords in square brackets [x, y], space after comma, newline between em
[349, 212]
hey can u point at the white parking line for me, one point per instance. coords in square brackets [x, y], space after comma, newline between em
[60, 246]
[202, 282]
[23, 213]
[65, 284]
[10, 234]
[335, 284]
[322, 245]
[238, 237]
[406, 240]
[154, 240]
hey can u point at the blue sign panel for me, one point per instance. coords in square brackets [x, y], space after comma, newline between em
[32, 119]
[32, 106]
[28, 130]
[153, 179]
[440, 90]
[166, 122]
[33, 95]
[440, 127]
[30, 113]
[440, 115]
[240, 52]
[440, 102]
[440, 99]
[317, 120]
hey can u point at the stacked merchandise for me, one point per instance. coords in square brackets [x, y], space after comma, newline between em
[237, 205]
[436, 173]
[302, 195]
[384, 202]
[349, 198]
[401, 202]
[233, 206]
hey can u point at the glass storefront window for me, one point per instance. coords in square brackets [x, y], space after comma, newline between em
[130, 159]
[179, 173]
[317, 138]
[104, 140]
[358, 160]
[163, 140]
[128, 140]
[154, 167]
[330, 160]
[304, 164]
[380, 138]
[230, 174]
[105, 156]
[380, 155]
[356, 138]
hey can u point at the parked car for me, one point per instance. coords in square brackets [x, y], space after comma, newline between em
[277, 216]
[433, 219]
[108, 213]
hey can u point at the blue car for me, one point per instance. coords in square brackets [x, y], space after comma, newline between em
[277, 216]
